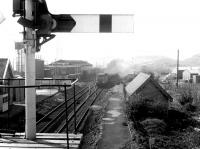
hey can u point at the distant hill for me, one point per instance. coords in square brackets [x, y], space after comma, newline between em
[153, 59]
[164, 62]
[192, 61]
[145, 60]
[159, 61]
[156, 64]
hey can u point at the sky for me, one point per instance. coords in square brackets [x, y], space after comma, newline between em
[160, 28]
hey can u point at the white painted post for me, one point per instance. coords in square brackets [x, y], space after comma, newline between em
[30, 97]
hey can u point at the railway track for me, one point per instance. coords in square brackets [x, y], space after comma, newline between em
[47, 103]
[41, 101]
[51, 119]
[82, 111]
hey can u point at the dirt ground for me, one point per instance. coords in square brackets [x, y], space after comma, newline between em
[115, 134]
[107, 128]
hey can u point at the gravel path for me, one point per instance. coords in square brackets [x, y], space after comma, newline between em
[114, 133]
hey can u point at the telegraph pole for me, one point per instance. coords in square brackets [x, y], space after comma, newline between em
[30, 97]
[177, 68]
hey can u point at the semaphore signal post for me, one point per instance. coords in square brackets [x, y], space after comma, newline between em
[30, 97]
[39, 25]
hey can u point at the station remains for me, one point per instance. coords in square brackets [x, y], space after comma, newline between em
[146, 87]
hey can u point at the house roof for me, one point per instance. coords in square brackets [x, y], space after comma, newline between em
[4, 67]
[194, 71]
[136, 83]
[3, 63]
[174, 70]
[141, 80]
[70, 62]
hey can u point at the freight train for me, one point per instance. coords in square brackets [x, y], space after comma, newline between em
[105, 80]
[102, 79]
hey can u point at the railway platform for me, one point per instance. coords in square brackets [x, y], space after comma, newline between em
[43, 140]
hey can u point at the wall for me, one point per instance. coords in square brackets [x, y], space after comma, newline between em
[155, 96]
[3, 91]
[180, 74]
[196, 79]
[39, 68]
[186, 75]
[47, 73]
[20, 65]
[9, 75]
[19, 93]
[61, 72]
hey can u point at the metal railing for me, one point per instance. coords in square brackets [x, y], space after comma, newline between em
[63, 85]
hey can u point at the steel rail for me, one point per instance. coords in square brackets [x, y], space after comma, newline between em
[58, 116]
[57, 107]
[61, 112]
[79, 108]
[85, 114]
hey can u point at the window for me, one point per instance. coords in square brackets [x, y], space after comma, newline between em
[5, 99]
[1, 91]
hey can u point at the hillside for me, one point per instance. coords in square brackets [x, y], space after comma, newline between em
[192, 61]
[167, 63]
[156, 64]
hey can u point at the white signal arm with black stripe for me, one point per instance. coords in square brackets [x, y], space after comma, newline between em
[46, 23]
[103, 23]
[91, 23]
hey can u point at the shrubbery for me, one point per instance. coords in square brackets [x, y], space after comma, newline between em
[190, 107]
[154, 126]
[187, 99]
[169, 127]
[140, 109]
[179, 120]
[186, 96]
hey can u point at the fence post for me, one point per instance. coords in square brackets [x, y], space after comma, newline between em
[19, 97]
[75, 109]
[24, 92]
[8, 124]
[59, 84]
[65, 88]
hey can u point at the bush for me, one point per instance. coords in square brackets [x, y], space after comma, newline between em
[189, 107]
[134, 108]
[169, 142]
[187, 99]
[154, 126]
[179, 120]
[186, 96]
[139, 109]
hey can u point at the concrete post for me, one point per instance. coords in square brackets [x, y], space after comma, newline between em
[30, 97]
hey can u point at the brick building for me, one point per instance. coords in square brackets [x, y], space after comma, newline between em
[63, 68]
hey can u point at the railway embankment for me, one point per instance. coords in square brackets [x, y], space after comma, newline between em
[92, 130]
[106, 126]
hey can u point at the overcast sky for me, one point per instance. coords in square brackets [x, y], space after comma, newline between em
[160, 28]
